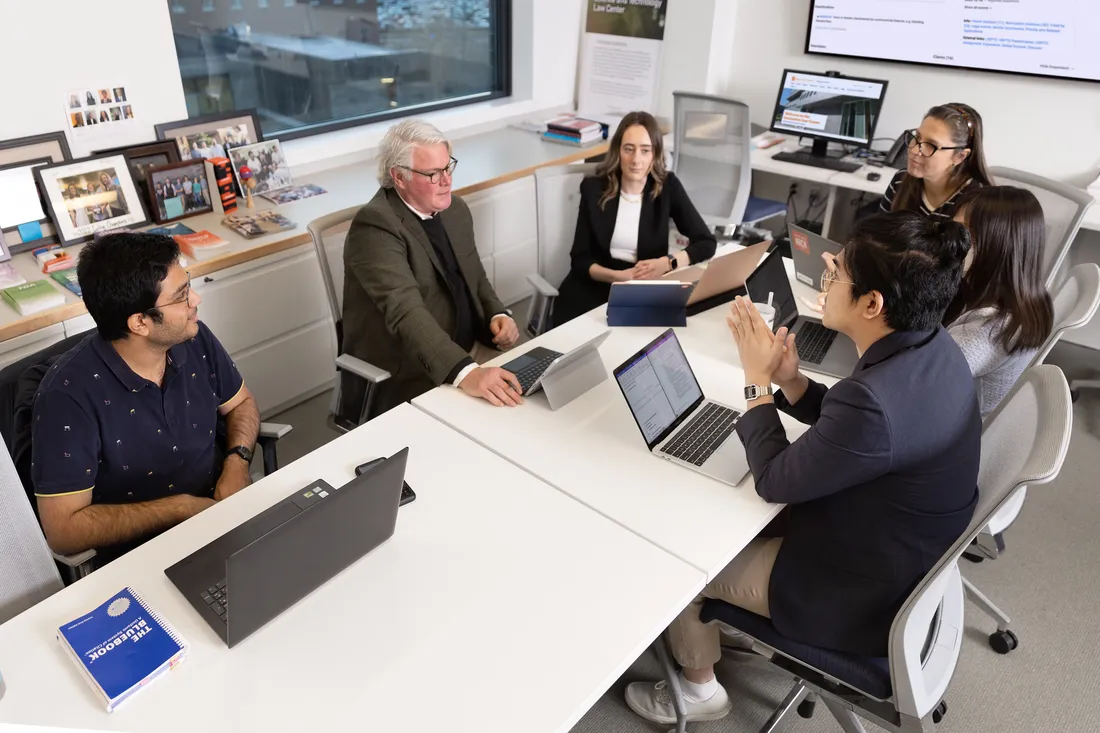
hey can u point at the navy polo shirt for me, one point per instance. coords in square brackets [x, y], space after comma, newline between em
[100, 427]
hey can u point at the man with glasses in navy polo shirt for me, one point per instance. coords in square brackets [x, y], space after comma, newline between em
[125, 424]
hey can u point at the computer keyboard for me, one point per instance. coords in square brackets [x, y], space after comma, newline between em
[703, 435]
[217, 597]
[530, 375]
[833, 164]
[814, 341]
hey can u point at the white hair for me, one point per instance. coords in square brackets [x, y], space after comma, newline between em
[397, 147]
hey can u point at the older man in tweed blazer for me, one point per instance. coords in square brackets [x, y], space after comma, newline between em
[416, 299]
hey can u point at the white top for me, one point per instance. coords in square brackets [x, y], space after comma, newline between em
[624, 242]
[593, 450]
[493, 581]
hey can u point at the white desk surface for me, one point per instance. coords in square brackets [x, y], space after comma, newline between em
[499, 604]
[593, 450]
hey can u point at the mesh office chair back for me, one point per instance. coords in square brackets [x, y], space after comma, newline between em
[712, 155]
[1064, 209]
[1074, 304]
[558, 195]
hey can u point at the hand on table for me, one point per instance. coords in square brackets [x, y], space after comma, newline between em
[505, 332]
[498, 386]
[652, 269]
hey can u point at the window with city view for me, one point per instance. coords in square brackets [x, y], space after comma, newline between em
[308, 66]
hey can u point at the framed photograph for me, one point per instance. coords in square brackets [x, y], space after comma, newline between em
[268, 165]
[144, 156]
[211, 136]
[178, 190]
[22, 202]
[52, 145]
[91, 195]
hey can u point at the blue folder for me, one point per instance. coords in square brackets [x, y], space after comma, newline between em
[658, 303]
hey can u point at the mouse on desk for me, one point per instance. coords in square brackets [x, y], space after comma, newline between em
[873, 176]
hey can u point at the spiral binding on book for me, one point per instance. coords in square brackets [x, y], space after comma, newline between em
[155, 616]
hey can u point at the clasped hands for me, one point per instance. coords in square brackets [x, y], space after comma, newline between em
[766, 357]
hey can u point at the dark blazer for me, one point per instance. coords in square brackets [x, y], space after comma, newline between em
[399, 311]
[880, 486]
[579, 293]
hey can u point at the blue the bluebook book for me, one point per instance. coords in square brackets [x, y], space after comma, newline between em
[121, 646]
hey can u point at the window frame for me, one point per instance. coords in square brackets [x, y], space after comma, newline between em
[502, 49]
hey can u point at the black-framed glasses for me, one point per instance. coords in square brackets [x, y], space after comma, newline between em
[434, 176]
[184, 299]
[925, 148]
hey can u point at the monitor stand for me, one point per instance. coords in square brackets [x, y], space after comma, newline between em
[820, 149]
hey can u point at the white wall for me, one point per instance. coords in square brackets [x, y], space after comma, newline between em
[1046, 126]
[546, 34]
[52, 46]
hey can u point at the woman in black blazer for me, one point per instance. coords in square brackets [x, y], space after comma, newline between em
[622, 227]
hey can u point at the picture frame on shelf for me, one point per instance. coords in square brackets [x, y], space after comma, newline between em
[53, 146]
[144, 156]
[22, 202]
[268, 164]
[172, 192]
[212, 136]
[91, 195]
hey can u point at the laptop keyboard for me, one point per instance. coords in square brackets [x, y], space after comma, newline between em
[813, 342]
[217, 597]
[528, 376]
[703, 435]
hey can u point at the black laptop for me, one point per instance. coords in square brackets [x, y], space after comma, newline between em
[281, 555]
[820, 349]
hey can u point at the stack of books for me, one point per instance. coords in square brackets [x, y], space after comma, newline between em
[573, 131]
[33, 297]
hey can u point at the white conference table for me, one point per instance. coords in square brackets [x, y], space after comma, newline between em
[593, 450]
[500, 604]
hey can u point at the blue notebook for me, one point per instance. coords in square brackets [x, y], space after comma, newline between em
[121, 646]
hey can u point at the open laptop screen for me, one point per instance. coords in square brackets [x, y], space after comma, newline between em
[771, 277]
[659, 387]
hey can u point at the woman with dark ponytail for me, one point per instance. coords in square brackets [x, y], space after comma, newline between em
[1003, 312]
[946, 163]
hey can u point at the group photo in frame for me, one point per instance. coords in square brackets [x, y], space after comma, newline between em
[91, 195]
[178, 190]
[266, 161]
[211, 136]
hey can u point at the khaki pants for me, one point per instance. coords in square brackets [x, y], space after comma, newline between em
[744, 583]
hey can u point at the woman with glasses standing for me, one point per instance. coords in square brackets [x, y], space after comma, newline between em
[622, 227]
[946, 163]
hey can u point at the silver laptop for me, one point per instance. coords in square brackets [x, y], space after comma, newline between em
[678, 423]
[533, 367]
[820, 349]
[806, 250]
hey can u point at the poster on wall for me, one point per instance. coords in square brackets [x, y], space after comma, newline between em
[99, 117]
[621, 56]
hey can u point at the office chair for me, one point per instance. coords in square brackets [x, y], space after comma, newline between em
[712, 156]
[26, 565]
[1064, 208]
[366, 376]
[1074, 306]
[18, 384]
[903, 692]
[558, 195]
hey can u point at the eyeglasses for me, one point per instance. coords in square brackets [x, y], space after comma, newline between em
[925, 148]
[828, 277]
[434, 176]
[186, 296]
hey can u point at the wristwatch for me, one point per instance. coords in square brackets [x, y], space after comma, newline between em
[755, 392]
[673, 263]
[241, 451]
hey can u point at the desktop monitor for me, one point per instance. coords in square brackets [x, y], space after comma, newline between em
[841, 109]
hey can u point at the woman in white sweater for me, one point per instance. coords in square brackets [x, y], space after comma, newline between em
[1002, 313]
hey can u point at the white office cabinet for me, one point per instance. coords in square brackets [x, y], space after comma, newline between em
[23, 346]
[291, 368]
[272, 317]
[506, 229]
[80, 324]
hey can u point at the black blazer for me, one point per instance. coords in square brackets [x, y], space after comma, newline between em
[579, 293]
[880, 486]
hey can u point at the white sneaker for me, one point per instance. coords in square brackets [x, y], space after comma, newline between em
[653, 701]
